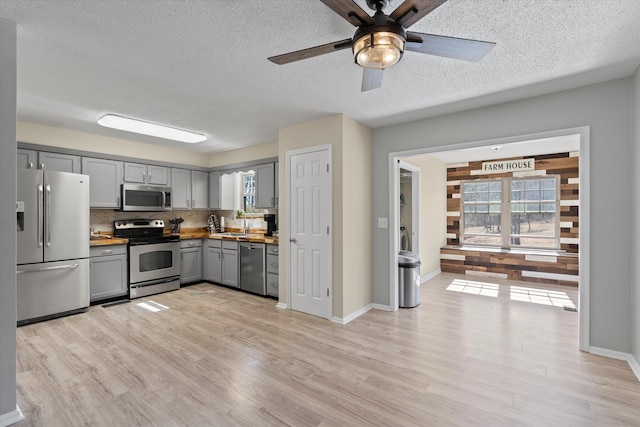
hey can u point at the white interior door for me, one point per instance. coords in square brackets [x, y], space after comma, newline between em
[309, 222]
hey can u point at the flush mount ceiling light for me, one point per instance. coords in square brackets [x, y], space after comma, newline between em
[378, 50]
[151, 129]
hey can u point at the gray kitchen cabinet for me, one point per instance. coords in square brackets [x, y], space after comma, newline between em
[199, 190]
[272, 270]
[230, 263]
[27, 159]
[214, 190]
[59, 162]
[108, 277]
[180, 188]
[265, 186]
[189, 189]
[222, 262]
[104, 184]
[212, 259]
[191, 260]
[146, 174]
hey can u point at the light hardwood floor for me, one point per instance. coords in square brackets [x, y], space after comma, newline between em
[219, 357]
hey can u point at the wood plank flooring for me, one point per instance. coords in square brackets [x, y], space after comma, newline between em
[469, 355]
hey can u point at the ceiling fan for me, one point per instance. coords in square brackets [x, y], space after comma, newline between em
[380, 40]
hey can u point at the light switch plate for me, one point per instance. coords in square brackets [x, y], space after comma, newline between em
[383, 223]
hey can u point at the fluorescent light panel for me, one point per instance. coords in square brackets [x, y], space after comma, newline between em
[151, 129]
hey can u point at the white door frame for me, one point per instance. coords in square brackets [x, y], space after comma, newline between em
[289, 154]
[584, 224]
[415, 204]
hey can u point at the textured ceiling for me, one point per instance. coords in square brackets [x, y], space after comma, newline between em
[202, 65]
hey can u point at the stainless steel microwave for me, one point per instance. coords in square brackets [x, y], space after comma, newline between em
[145, 198]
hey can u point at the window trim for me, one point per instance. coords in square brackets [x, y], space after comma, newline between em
[505, 213]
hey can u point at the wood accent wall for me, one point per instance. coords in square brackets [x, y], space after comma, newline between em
[566, 165]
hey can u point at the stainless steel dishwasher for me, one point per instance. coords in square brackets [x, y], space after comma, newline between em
[252, 268]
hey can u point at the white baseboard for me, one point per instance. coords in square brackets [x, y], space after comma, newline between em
[281, 305]
[354, 315]
[618, 355]
[430, 275]
[381, 307]
[11, 417]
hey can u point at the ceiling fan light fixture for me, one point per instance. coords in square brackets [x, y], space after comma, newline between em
[152, 129]
[378, 50]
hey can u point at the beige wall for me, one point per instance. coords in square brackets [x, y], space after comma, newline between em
[63, 138]
[351, 148]
[255, 152]
[433, 211]
[356, 218]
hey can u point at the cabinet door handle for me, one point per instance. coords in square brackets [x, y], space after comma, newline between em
[193, 203]
[30, 165]
[107, 251]
[149, 177]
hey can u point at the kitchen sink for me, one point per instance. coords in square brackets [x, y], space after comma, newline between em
[230, 234]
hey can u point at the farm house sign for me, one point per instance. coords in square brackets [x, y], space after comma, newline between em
[507, 166]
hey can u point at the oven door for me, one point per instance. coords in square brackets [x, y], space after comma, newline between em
[154, 261]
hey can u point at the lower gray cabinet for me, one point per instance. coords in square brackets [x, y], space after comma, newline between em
[221, 262]
[190, 260]
[272, 270]
[108, 272]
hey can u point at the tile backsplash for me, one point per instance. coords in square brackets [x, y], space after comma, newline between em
[102, 219]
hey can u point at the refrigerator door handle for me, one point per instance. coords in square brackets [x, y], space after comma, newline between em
[58, 267]
[47, 223]
[40, 216]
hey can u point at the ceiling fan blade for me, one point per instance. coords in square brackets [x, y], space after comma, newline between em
[411, 11]
[310, 52]
[371, 79]
[350, 11]
[448, 47]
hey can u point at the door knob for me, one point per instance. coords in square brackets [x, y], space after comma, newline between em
[293, 240]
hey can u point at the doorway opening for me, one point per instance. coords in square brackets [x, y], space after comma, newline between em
[543, 146]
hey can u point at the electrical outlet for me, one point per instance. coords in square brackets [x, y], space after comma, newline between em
[383, 223]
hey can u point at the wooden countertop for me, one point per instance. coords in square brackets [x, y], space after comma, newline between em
[108, 241]
[188, 234]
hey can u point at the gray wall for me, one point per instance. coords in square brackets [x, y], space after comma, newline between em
[635, 307]
[7, 218]
[607, 109]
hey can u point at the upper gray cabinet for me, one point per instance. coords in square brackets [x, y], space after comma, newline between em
[146, 174]
[266, 196]
[59, 162]
[31, 159]
[189, 189]
[180, 188]
[27, 159]
[104, 184]
[214, 190]
[199, 190]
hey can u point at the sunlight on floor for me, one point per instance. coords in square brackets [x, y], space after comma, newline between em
[541, 296]
[476, 288]
[152, 306]
[516, 293]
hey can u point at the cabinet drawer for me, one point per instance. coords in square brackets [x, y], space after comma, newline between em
[230, 244]
[272, 264]
[215, 243]
[107, 250]
[272, 284]
[272, 249]
[191, 243]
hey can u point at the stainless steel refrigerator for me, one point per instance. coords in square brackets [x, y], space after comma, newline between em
[52, 215]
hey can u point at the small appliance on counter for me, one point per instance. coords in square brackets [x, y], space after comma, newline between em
[270, 219]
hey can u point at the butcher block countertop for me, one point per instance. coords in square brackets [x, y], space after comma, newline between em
[255, 235]
[106, 239]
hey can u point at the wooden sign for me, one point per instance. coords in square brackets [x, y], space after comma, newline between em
[507, 166]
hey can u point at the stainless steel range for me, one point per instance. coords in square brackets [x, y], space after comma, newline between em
[154, 258]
